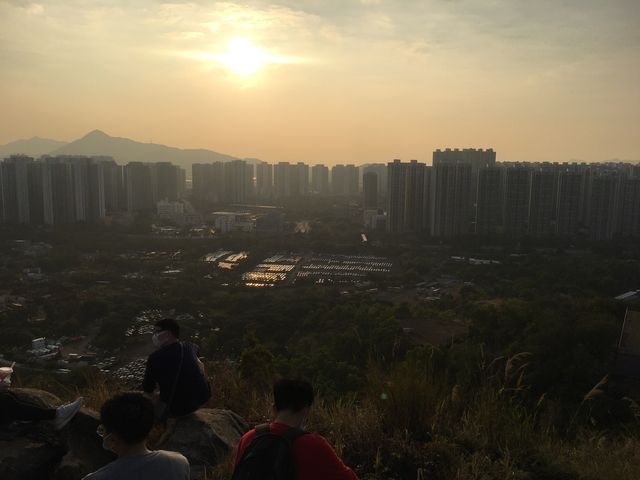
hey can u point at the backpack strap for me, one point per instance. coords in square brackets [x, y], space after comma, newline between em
[262, 429]
[290, 435]
[293, 434]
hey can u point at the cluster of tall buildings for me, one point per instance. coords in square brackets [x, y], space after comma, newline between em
[68, 189]
[468, 192]
[215, 182]
[463, 192]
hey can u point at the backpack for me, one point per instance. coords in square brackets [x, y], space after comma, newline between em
[269, 456]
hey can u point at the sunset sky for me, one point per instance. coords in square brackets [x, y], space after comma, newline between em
[329, 81]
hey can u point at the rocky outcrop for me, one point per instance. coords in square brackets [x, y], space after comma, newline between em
[206, 437]
[36, 451]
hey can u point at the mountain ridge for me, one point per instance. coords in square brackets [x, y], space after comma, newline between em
[34, 146]
[125, 150]
[122, 149]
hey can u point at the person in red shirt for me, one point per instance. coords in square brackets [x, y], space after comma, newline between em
[314, 458]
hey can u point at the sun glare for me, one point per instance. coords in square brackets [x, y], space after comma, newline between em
[244, 58]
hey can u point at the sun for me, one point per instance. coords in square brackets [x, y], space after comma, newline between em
[244, 58]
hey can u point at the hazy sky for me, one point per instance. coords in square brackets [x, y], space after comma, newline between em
[340, 80]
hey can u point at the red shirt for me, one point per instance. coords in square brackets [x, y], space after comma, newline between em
[314, 457]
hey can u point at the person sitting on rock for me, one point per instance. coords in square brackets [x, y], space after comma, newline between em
[17, 407]
[175, 368]
[282, 449]
[127, 420]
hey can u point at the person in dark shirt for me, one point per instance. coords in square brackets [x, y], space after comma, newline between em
[176, 370]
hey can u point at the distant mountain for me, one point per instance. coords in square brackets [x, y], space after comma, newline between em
[34, 147]
[124, 150]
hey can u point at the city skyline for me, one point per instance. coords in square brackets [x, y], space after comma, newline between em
[329, 82]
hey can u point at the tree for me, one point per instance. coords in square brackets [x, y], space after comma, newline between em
[256, 363]
[93, 309]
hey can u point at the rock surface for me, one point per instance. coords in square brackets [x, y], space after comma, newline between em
[36, 451]
[207, 437]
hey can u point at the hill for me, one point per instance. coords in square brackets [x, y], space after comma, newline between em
[33, 147]
[124, 150]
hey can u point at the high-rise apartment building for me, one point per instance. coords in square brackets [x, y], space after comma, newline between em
[320, 179]
[59, 196]
[16, 188]
[303, 178]
[207, 181]
[380, 169]
[570, 201]
[630, 207]
[290, 180]
[452, 207]
[168, 179]
[264, 181]
[345, 180]
[489, 201]
[455, 189]
[396, 177]
[604, 204]
[238, 181]
[517, 192]
[113, 190]
[542, 208]
[370, 191]
[407, 193]
[139, 187]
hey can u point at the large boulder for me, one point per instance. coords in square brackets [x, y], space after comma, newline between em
[34, 450]
[31, 450]
[206, 437]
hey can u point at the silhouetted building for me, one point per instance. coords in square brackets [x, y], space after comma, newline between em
[345, 180]
[604, 205]
[630, 208]
[406, 197]
[517, 192]
[489, 201]
[139, 187]
[370, 191]
[455, 188]
[207, 181]
[320, 179]
[542, 210]
[569, 209]
[264, 180]
[452, 211]
[380, 169]
[15, 189]
[291, 180]
[238, 181]
[168, 178]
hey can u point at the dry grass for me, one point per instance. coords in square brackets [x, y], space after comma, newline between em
[418, 420]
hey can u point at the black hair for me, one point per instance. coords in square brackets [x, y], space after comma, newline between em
[170, 325]
[130, 415]
[292, 395]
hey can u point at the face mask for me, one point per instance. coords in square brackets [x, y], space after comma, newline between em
[155, 338]
[105, 444]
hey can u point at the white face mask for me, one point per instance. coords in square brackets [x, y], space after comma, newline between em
[155, 338]
[105, 443]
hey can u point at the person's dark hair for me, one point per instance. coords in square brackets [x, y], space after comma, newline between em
[170, 325]
[292, 395]
[130, 415]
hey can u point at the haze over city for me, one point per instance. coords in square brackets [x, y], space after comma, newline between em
[331, 82]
